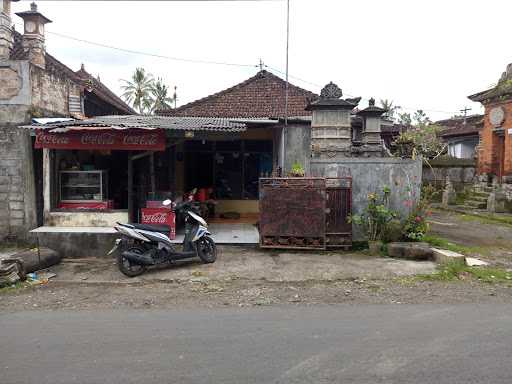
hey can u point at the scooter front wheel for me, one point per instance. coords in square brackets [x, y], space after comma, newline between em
[206, 250]
[128, 267]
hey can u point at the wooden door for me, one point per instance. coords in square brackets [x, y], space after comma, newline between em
[500, 158]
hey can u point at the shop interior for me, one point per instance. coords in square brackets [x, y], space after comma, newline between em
[224, 172]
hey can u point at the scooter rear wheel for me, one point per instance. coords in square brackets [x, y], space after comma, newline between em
[129, 268]
[206, 250]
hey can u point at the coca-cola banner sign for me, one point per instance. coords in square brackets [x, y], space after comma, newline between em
[132, 139]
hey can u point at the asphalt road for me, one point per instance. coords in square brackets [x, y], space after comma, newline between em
[321, 344]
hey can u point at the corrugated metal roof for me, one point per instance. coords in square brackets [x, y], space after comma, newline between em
[151, 122]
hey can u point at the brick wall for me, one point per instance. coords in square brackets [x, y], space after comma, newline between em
[17, 196]
[488, 159]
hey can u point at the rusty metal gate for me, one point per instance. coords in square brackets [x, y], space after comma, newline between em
[292, 213]
[305, 213]
[338, 209]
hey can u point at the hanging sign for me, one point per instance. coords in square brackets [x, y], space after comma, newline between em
[133, 139]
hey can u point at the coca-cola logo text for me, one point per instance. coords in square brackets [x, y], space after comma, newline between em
[95, 139]
[154, 218]
[150, 139]
[49, 139]
[98, 138]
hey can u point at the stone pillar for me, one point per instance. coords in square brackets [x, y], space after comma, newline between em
[6, 38]
[449, 194]
[33, 36]
[331, 134]
[372, 140]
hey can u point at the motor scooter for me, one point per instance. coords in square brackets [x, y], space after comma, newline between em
[143, 245]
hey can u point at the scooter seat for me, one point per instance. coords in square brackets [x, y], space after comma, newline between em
[153, 228]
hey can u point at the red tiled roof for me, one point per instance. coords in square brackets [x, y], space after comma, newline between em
[456, 126]
[79, 77]
[261, 96]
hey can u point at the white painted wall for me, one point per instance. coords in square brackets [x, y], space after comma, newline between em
[462, 148]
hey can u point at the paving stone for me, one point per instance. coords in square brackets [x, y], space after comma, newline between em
[411, 251]
[443, 256]
[473, 262]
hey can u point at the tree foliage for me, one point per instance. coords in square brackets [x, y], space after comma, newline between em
[145, 93]
[138, 90]
[162, 99]
[390, 108]
[422, 137]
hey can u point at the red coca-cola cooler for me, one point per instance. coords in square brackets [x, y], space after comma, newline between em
[159, 216]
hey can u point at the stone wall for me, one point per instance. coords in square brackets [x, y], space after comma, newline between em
[50, 92]
[461, 172]
[369, 175]
[17, 186]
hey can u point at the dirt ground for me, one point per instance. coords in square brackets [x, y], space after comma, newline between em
[251, 277]
[489, 241]
[245, 293]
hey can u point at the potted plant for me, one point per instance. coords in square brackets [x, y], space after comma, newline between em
[297, 170]
[374, 219]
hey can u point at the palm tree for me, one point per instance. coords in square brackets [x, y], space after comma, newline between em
[161, 98]
[138, 91]
[390, 109]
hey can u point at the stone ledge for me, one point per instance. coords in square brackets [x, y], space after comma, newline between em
[410, 251]
[443, 256]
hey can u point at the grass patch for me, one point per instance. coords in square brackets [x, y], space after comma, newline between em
[483, 218]
[14, 287]
[458, 271]
[486, 219]
[439, 242]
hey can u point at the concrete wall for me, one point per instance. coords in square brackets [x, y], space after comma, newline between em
[297, 146]
[461, 172]
[463, 149]
[369, 175]
[86, 219]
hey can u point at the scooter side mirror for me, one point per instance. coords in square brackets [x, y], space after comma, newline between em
[167, 202]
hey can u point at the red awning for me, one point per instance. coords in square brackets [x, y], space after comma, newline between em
[126, 139]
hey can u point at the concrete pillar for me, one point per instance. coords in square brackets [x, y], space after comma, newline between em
[6, 38]
[34, 35]
[372, 140]
[331, 134]
[46, 184]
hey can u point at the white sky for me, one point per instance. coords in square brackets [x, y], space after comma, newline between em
[418, 53]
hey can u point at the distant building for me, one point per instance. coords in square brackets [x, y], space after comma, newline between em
[495, 150]
[462, 135]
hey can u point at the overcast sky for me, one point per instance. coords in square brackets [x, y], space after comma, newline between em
[420, 54]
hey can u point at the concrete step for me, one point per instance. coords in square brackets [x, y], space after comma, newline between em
[476, 204]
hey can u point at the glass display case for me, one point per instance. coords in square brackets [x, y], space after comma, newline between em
[83, 186]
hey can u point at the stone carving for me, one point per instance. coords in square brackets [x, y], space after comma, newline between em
[449, 194]
[507, 75]
[331, 91]
[10, 83]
